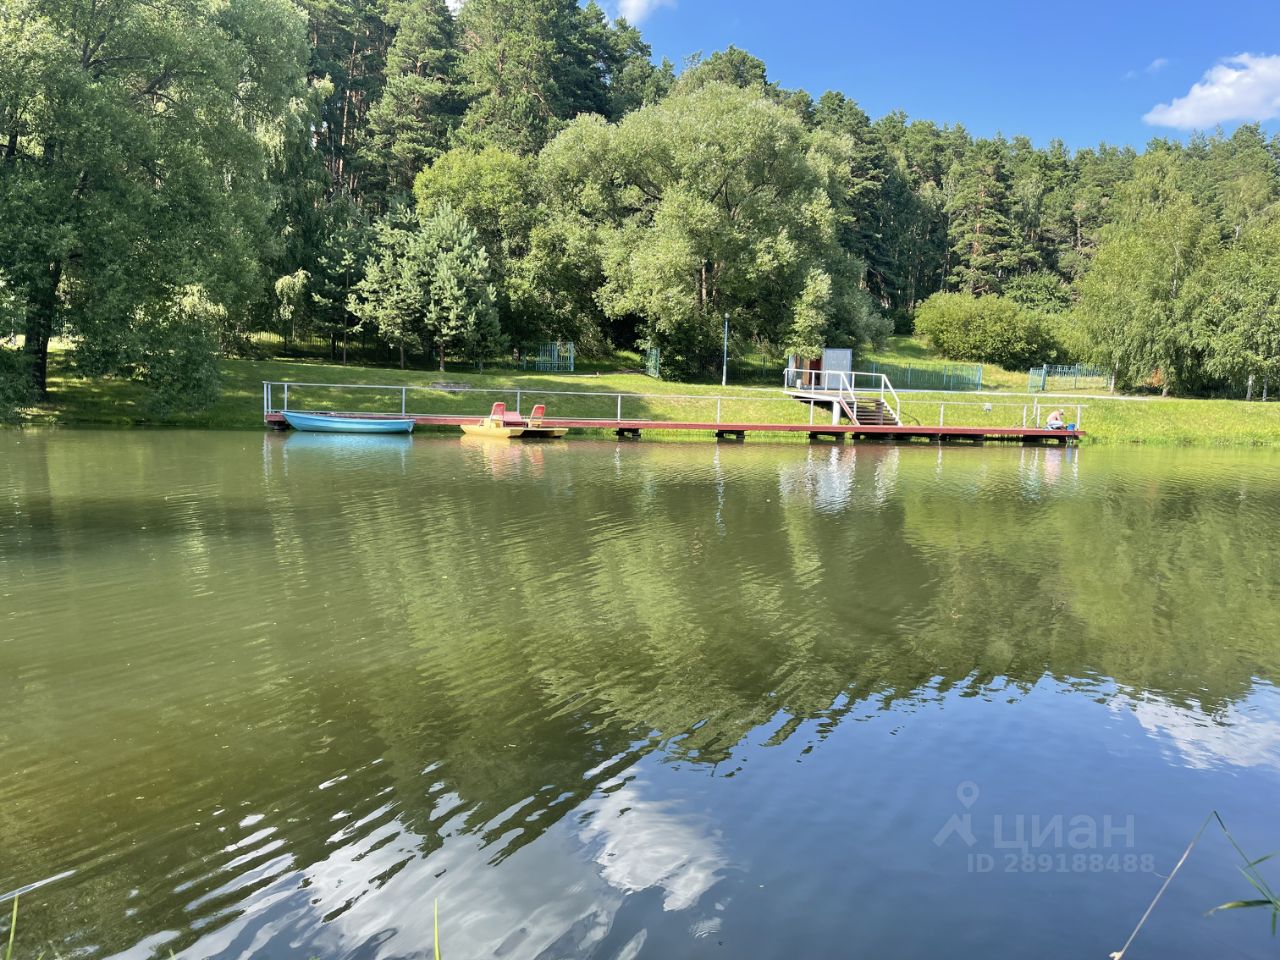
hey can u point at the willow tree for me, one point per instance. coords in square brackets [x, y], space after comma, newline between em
[713, 202]
[1234, 309]
[136, 138]
[1132, 309]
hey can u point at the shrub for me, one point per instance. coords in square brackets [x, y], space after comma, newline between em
[989, 329]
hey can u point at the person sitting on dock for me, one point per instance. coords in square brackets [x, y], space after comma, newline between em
[1056, 421]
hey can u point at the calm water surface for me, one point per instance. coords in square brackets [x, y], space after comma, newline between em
[277, 696]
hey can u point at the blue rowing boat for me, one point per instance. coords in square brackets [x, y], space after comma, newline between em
[337, 423]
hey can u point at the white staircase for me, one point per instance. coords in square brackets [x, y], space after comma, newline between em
[865, 399]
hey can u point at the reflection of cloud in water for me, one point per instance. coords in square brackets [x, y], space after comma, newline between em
[645, 843]
[1241, 736]
[373, 896]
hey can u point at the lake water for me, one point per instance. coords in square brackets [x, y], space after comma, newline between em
[280, 696]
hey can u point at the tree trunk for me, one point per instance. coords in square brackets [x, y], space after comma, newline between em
[344, 344]
[1248, 390]
[402, 356]
[441, 351]
[40, 329]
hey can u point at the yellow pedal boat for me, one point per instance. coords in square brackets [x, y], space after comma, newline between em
[507, 426]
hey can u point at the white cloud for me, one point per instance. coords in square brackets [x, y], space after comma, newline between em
[1244, 87]
[1155, 66]
[636, 10]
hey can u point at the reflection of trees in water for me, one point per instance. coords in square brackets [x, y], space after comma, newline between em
[1154, 573]
[461, 636]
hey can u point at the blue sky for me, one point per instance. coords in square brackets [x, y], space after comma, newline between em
[1084, 71]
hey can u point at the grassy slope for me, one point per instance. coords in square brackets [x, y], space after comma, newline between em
[1119, 420]
[115, 402]
[111, 402]
[905, 350]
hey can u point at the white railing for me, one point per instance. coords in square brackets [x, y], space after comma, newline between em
[276, 399]
[847, 384]
[1032, 413]
[277, 392]
[887, 387]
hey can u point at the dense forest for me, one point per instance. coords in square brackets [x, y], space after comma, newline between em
[178, 176]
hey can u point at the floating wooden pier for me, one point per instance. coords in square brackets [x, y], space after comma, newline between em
[635, 429]
[848, 413]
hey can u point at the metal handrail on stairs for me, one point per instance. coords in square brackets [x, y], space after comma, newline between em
[844, 384]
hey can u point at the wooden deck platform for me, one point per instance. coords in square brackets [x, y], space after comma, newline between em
[739, 431]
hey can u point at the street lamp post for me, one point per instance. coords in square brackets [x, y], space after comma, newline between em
[724, 371]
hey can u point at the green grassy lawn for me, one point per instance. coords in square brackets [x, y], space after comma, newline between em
[108, 402]
[1150, 420]
[905, 350]
[1154, 421]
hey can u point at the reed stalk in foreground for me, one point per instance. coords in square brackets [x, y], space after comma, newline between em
[1250, 870]
[1269, 898]
[13, 930]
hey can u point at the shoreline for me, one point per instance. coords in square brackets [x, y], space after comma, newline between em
[1107, 421]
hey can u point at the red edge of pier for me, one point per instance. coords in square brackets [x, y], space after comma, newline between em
[904, 431]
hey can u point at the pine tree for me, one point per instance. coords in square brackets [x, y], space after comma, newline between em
[340, 263]
[349, 42]
[530, 66]
[634, 81]
[428, 286]
[983, 237]
[461, 314]
[861, 206]
[411, 123]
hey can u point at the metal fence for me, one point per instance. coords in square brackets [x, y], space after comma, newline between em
[653, 363]
[1052, 376]
[554, 356]
[359, 347]
[930, 376]
[746, 366]
[766, 367]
